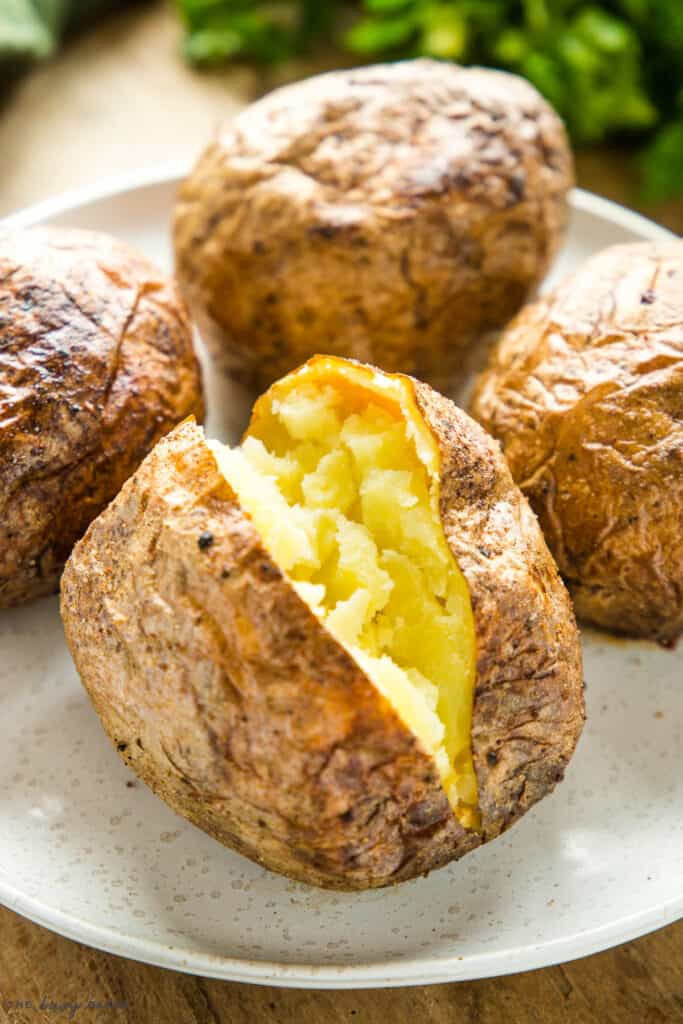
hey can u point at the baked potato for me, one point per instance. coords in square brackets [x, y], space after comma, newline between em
[96, 363]
[389, 213]
[341, 648]
[585, 392]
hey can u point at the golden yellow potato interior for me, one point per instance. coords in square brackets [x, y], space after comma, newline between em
[339, 474]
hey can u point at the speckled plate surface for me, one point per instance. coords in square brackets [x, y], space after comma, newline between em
[88, 851]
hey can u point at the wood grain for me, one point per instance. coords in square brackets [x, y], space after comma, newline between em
[116, 99]
[638, 983]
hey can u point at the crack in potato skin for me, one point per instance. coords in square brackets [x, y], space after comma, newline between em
[279, 745]
[255, 724]
[528, 700]
[96, 363]
[389, 213]
[585, 392]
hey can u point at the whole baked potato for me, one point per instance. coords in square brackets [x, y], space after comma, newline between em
[585, 392]
[389, 213]
[96, 364]
[341, 648]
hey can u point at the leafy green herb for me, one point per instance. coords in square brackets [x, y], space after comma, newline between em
[24, 36]
[219, 30]
[662, 163]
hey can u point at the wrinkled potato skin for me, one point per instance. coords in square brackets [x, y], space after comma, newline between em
[528, 701]
[96, 363]
[257, 726]
[390, 213]
[585, 392]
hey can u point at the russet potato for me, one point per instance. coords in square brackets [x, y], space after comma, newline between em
[392, 214]
[341, 648]
[585, 392]
[96, 364]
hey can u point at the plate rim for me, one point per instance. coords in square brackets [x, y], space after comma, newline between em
[394, 973]
[375, 974]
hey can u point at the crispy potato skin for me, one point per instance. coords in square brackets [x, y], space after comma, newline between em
[390, 213]
[585, 392]
[222, 690]
[96, 363]
[528, 702]
[232, 701]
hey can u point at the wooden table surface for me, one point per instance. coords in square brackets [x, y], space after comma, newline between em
[120, 98]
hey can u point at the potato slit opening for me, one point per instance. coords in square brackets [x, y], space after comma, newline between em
[340, 475]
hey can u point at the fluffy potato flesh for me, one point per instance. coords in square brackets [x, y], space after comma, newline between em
[340, 476]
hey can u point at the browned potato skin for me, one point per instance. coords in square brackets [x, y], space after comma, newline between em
[585, 392]
[390, 213]
[222, 690]
[96, 364]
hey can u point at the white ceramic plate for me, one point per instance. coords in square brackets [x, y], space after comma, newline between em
[88, 851]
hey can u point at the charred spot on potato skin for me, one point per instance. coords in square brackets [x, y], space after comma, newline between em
[316, 859]
[668, 643]
[205, 540]
[492, 757]
[517, 185]
[121, 746]
[462, 178]
[425, 814]
[326, 231]
[213, 221]
[268, 571]
[307, 316]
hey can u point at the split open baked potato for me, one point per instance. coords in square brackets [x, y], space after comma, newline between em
[389, 213]
[96, 364]
[585, 392]
[341, 648]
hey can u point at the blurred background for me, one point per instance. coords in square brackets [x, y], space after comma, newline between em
[91, 88]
